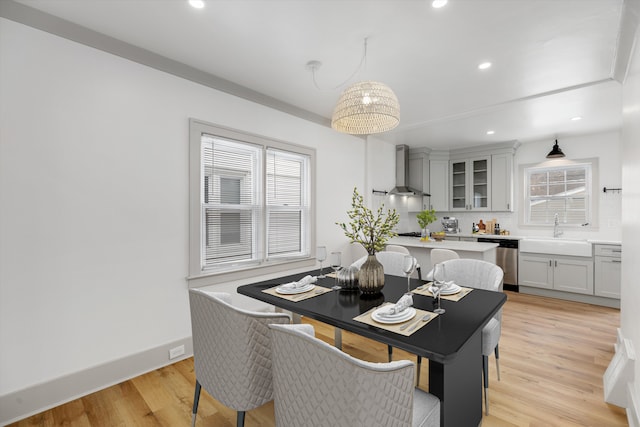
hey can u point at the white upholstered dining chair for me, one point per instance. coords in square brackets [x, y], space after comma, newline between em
[231, 352]
[438, 256]
[318, 385]
[473, 273]
[403, 250]
[392, 263]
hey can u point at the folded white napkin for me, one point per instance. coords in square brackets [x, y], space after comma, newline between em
[305, 281]
[448, 285]
[403, 303]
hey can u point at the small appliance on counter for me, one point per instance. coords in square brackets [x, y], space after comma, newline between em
[449, 224]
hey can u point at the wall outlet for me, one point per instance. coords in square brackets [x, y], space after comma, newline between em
[176, 351]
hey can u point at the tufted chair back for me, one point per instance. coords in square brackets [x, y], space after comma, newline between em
[316, 384]
[232, 351]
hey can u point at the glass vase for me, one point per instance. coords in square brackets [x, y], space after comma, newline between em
[371, 276]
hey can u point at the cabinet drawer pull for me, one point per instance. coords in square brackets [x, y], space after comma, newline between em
[616, 250]
[556, 263]
[550, 265]
[616, 260]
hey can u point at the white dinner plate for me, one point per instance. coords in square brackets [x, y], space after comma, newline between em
[450, 290]
[293, 291]
[403, 316]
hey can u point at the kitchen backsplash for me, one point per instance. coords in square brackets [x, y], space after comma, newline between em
[609, 226]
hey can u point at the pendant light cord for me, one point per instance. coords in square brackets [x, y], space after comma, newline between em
[363, 61]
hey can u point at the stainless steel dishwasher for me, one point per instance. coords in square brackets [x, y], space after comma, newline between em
[507, 259]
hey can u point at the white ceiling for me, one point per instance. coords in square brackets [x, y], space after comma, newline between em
[552, 59]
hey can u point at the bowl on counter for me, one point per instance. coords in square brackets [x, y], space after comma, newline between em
[439, 236]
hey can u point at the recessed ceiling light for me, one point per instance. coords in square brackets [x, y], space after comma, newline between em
[438, 3]
[576, 118]
[491, 132]
[484, 65]
[198, 4]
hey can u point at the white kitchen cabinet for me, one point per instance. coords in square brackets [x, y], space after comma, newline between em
[418, 179]
[607, 270]
[502, 182]
[535, 271]
[419, 170]
[470, 184]
[439, 185]
[561, 273]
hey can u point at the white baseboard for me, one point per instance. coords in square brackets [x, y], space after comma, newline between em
[619, 373]
[35, 399]
[633, 410]
[570, 296]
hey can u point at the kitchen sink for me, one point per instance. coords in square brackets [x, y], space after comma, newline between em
[556, 246]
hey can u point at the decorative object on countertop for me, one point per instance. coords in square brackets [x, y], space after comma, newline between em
[348, 277]
[438, 236]
[490, 226]
[372, 232]
[481, 227]
[425, 218]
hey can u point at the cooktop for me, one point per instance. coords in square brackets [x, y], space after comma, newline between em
[410, 234]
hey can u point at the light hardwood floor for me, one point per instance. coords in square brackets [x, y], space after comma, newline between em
[553, 355]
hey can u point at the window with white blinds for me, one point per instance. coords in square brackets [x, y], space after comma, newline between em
[254, 201]
[287, 203]
[231, 205]
[565, 190]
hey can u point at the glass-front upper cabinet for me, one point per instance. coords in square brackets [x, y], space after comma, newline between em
[471, 184]
[458, 185]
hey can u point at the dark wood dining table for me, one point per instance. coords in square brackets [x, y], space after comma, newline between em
[451, 342]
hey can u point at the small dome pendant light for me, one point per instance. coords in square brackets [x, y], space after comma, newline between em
[556, 152]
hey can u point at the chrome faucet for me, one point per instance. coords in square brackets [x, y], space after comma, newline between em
[556, 226]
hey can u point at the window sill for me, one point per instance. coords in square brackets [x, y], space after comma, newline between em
[214, 278]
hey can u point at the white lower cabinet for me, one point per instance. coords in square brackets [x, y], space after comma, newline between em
[607, 270]
[569, 274]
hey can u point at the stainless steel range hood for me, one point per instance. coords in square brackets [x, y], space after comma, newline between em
[402, 174]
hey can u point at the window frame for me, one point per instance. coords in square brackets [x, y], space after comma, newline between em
[591, 183]
[199, 276]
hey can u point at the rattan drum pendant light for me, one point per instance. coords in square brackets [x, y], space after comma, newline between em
[366, 107]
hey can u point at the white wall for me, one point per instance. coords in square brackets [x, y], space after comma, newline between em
[94, 197]
[603, 146]
[630, 300]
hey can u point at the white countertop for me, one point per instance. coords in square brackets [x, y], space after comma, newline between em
[454, 245]
[486, 236]
[604, 242]
[512, 237]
